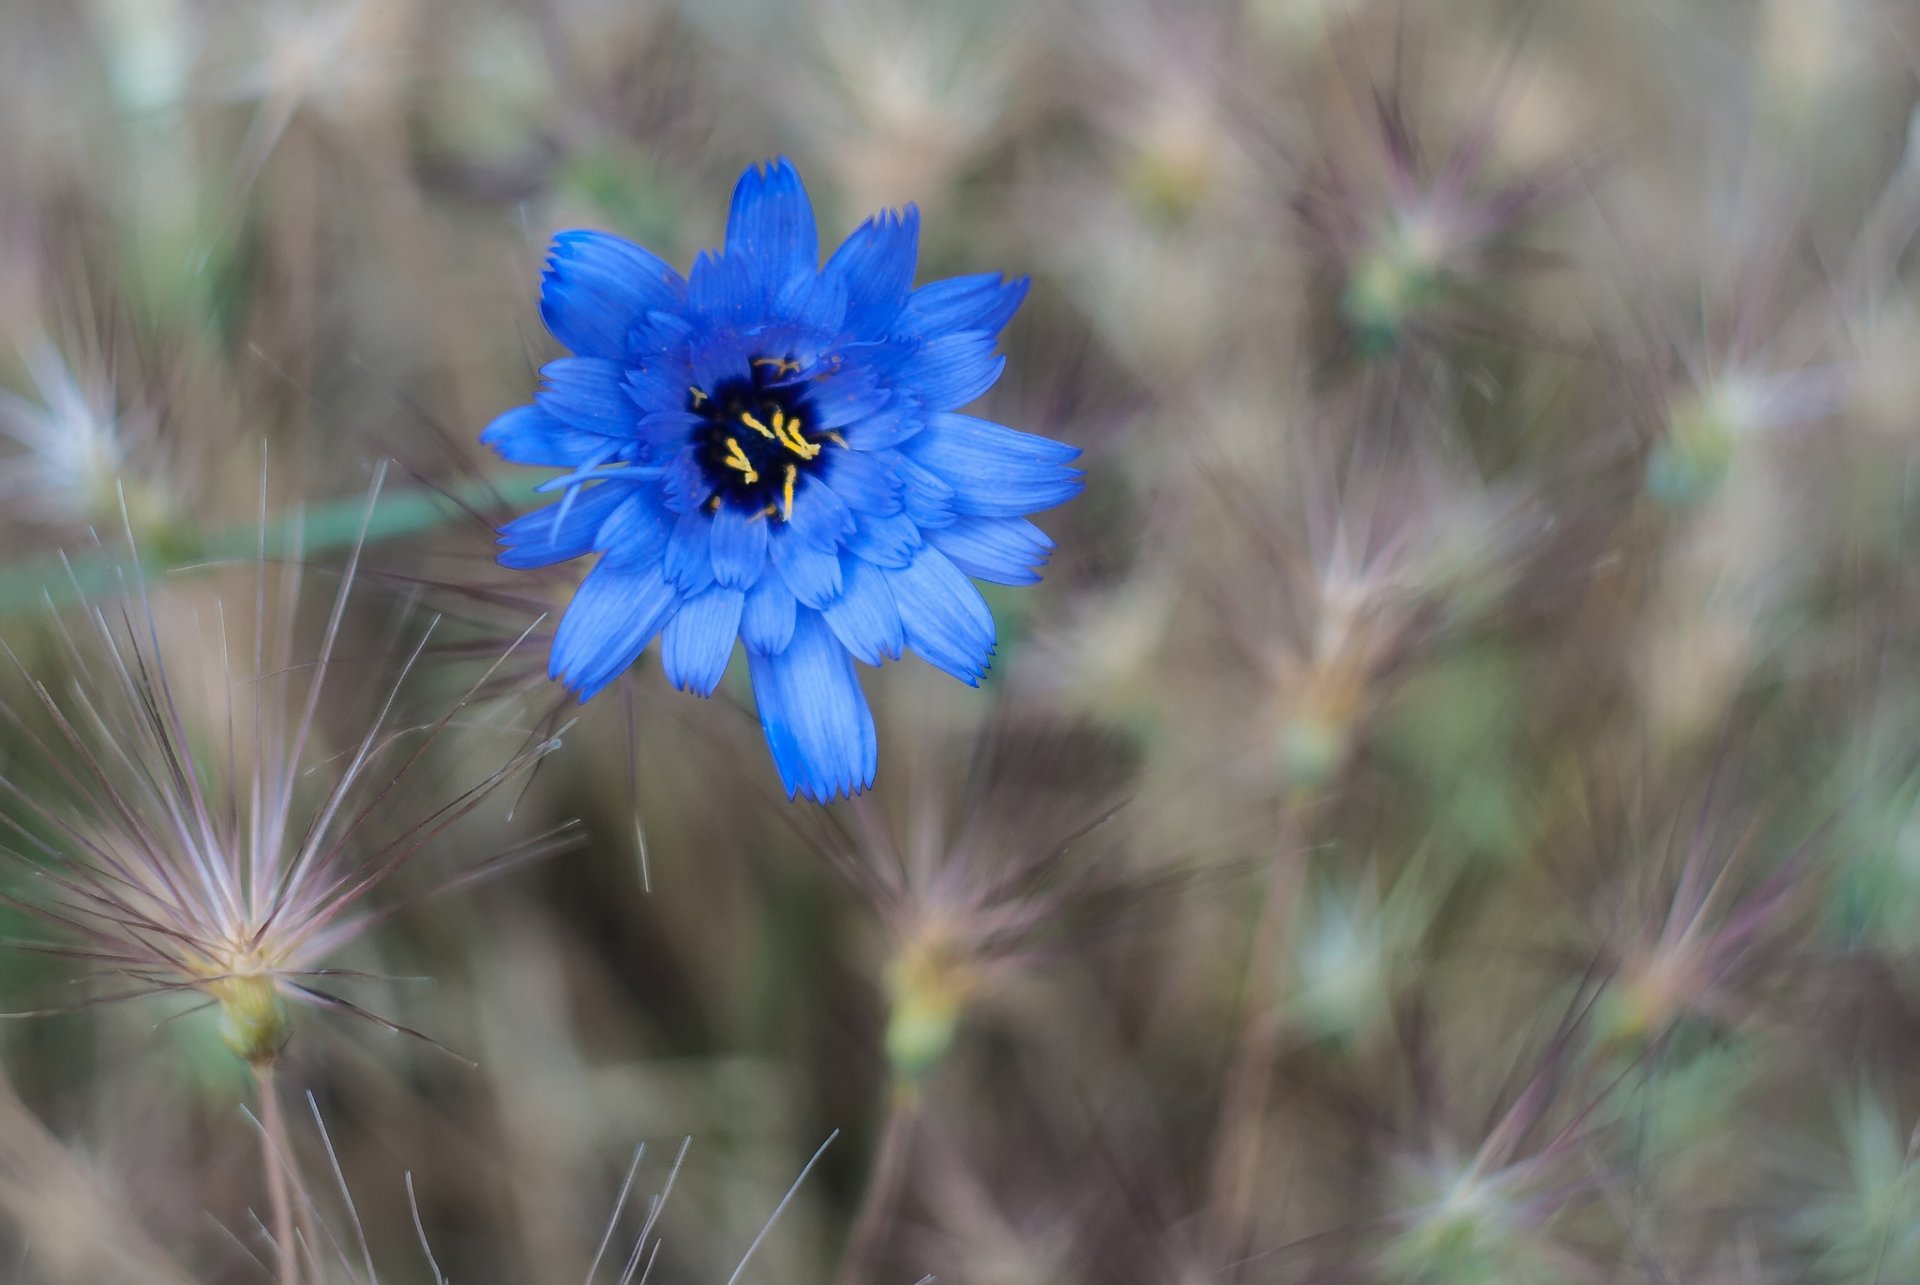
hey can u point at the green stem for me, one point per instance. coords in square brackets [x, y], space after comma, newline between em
[56, 579]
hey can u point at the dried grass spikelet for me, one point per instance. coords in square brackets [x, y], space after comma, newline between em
[1701, 942]
[194, 833]
[1486, 1211]
[1415, 249]
[898, 101]
[1389, 560]
[79, 454]
[1002, 859]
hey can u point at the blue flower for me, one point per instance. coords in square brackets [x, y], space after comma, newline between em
[771, 451]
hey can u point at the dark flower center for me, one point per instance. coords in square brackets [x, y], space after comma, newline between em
[758, 438]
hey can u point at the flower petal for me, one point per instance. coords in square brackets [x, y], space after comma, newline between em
[528, 435]
[847, 396]
[948, 372]
[598, 287]
[739, 547]
[812, 574]
[885, 541]
[819, 517]
[864, 617]
[660, 385]
[685, 483]
[814, 304]
[884, 430]
[868, 481]
[770, 229]
[558, 532]
[927, 499]
[636, 533]
[610, 621]
[589, 393]
[814, 714]
[875, 264]
[688, 563]
[725, 292]
[946, 619]
[699, 640]
[996, 471]
[985, 301]
[1003, 550]
[767, 622]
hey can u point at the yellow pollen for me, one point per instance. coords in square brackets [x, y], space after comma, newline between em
[699, 398]
[746, 417]
[737, 458]
[786, 492]
[836, 439]
[781, 365]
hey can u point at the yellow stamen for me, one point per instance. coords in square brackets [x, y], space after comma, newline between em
[836, 439]
[786, 492]
[737, 458]
[699, 398]
[781, 365]
[746, 417]
[787, 432]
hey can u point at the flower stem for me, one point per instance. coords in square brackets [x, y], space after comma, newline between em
[1243, 1108]
[28, 583]
[274, 1150]
[871, 1222]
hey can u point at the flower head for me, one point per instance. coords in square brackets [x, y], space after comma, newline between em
[768, 451]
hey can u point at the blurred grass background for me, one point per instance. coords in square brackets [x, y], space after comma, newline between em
[1448, 814]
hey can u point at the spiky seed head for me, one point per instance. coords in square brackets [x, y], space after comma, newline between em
[930, 980]
[253, 1017]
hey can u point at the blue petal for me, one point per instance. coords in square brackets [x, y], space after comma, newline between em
[771, 229]
[813, 303]
[665, 434]
[598, 287]
[661, 337]
[660, 385]
[557, 532]
[739, 547]
[528, 435]
[610, 621]
[928, 500]
[700, 638]
[996, 471]
[884, 430]
[685, 483]
[726, 292]
[864, 617]
[819, 516]
[767, 623]
[814, 714]
[868, 481]
[884, 541]
[1002, 550]
[876, 266]
[985, 301]
[812, 574]
[636, 533]
[946, 619]
[688, 563]
[589, 393]
[948, 372]
[847, 396]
